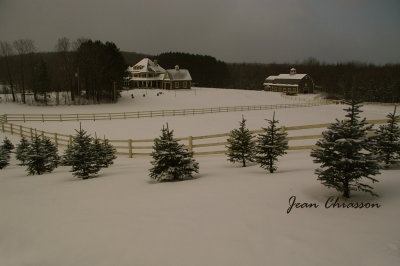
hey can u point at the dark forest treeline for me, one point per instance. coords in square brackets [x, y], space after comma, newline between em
[93, 71]
[83, 71]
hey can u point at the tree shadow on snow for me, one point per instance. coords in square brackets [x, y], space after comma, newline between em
[152, 181]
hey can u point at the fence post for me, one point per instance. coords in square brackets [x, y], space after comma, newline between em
[5, 118]
[11, 128]
[24, 117]
[42, 134]
[94, 117]
[60, 118]
[124, 115]
[20, 131]
[130, 147]
[42, 118]
[2, 127]
[70, 140]
[109, 115]
[190, 143]
[31, 130]
[55, 139]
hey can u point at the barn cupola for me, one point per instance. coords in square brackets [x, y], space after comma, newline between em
[293, 71]
[177, 68]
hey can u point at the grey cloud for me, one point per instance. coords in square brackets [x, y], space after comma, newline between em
[231, 30]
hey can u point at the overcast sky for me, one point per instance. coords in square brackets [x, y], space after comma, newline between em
[231, 30]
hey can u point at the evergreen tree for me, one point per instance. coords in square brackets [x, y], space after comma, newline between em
[7, 145]
[241, 147]
[39, 160]
[388, 140]
[22, 151]
[4, 157]
[171, 160]
[83, 158]
[271, 145]
[98, 152]
[51, 153]
[105, 153]
[109, 154]
[345, 154]
[66, 158]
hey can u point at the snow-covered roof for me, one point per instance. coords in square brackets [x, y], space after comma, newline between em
[270, 78]
[146, 65]
[289, 76]
[180, 74]
[286, 80]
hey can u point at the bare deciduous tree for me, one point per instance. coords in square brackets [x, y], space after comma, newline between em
[6, 50]
[64, 71]
[23, 47]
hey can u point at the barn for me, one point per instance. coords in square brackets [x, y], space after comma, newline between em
[291, 83]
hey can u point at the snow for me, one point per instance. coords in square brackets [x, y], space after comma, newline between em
[191, 125]
[227, 215]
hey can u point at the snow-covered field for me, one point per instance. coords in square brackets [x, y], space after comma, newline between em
[145, 128]
[228, 215]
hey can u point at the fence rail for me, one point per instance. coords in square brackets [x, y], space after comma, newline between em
[146, 114]
[135, 147]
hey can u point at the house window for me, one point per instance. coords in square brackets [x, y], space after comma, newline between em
[176, 85]
[185, 84]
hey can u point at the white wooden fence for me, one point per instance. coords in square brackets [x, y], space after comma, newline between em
[157, 113]
[135, 147]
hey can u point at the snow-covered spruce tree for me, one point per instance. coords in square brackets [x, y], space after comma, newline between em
[271, 145]
[66, 158]
[7, 145]
[98, 152]
[241, 147]
[22, 151]
[109, 154]
[388, 140]
[51, 153]
[39, 161]
[171, 160]
[4, 157]
[82, 156]
[345, 154]
[105, 153]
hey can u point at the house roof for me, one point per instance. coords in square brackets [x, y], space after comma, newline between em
[180, 74]
[146, 65]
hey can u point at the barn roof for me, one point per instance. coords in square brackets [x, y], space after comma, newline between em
[284, 79]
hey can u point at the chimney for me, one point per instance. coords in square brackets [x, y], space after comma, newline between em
[293, 71]
[177, 68]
